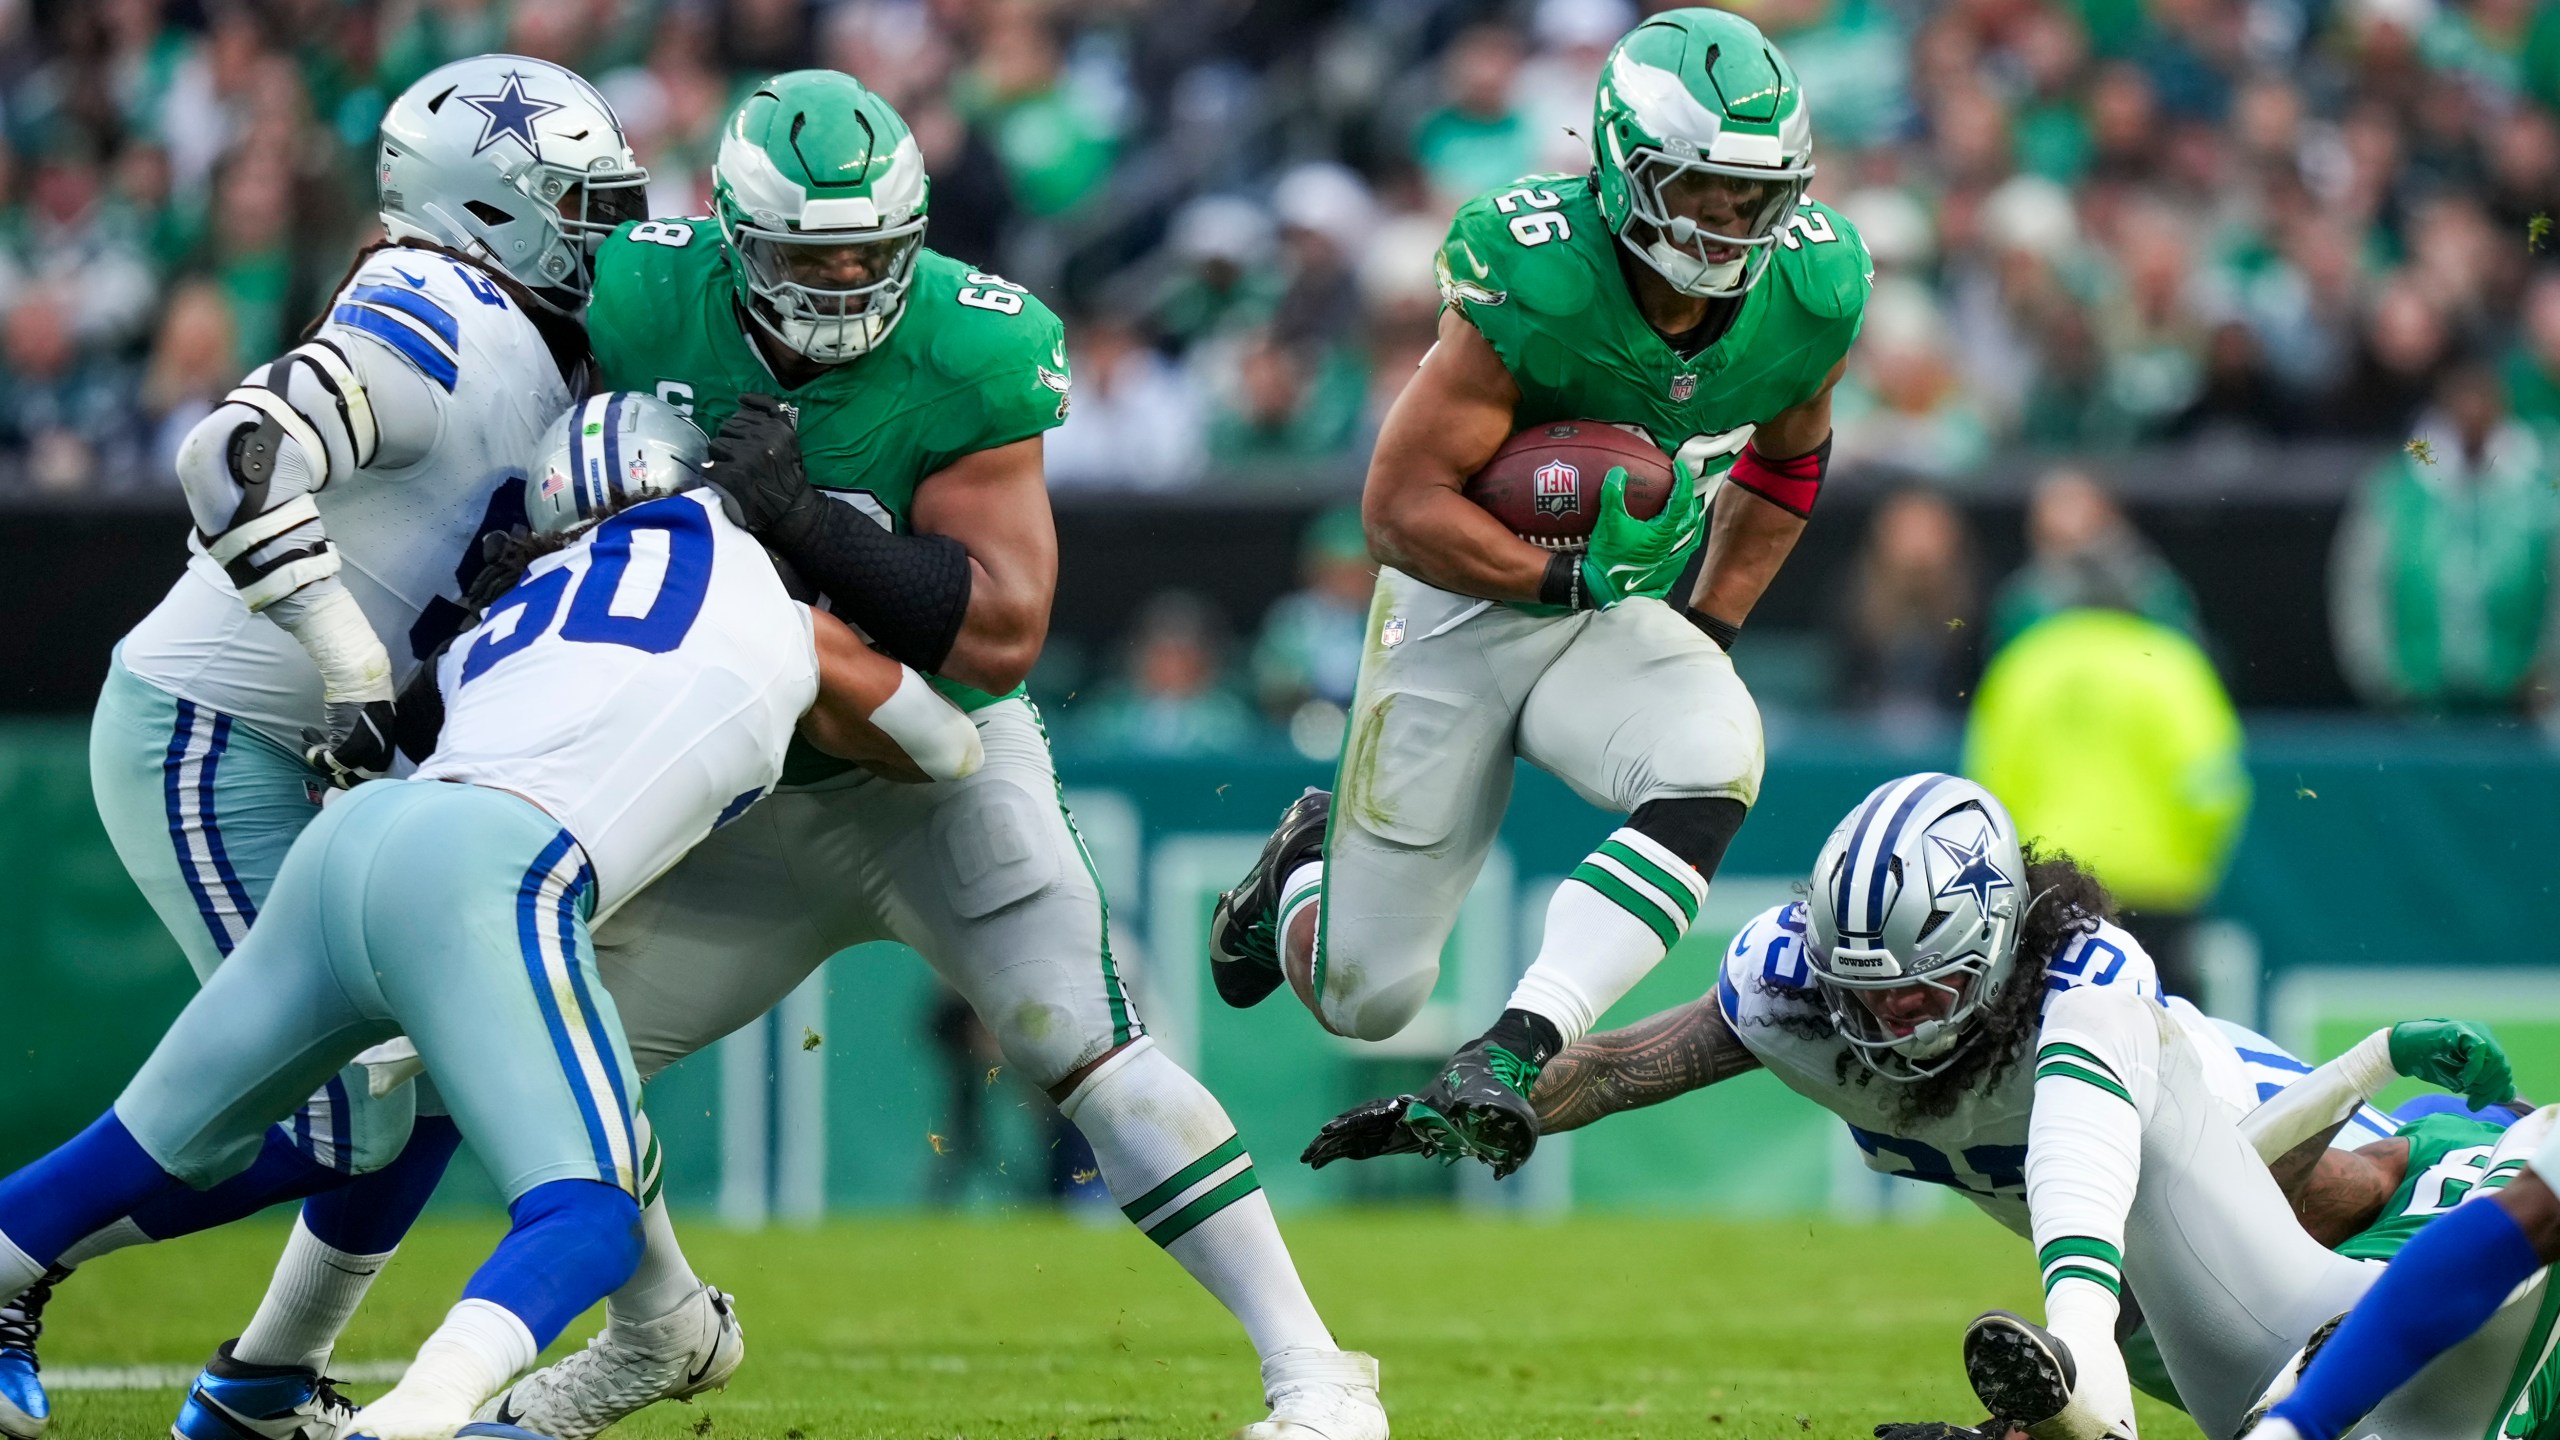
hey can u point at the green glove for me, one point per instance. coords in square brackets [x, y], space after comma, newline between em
[2456, 1055]
[1629, 556]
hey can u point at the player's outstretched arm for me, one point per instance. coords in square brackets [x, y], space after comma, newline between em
[874, 711]
[1759, 516]
[1448, 422]
[1653, 1060]
[996, 503]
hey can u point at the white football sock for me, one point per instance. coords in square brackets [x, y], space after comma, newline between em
[479, 1348]
[1173, 1159]
[103, 1241]
[1610, 923]
[664, 1278]
[315, 1292]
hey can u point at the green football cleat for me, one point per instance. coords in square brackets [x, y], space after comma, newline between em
[1478, 1109]
[1244, 931]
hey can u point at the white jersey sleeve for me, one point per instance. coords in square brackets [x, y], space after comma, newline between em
[2097, 1078]
[374, 488]
[641, 686]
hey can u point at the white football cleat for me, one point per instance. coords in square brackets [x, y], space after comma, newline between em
[404, 1414]
[1319, 1395]
[691, 1349]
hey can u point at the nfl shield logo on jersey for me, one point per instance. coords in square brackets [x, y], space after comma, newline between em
[1557, 489]
[1682, 387]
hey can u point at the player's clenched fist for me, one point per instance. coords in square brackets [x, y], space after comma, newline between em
[2456, 1055]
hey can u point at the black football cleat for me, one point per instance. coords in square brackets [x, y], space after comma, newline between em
[1478, 1109]
[1244, 931]
[2019, 1370]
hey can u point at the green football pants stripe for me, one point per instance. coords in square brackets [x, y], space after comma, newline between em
[1626, 898]
[653, 1174]
[1123, 1030]
[1192, 1216]
[1189, 1175]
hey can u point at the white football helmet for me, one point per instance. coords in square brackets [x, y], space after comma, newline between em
[1922, 884]
[515, 161]
[609, 451]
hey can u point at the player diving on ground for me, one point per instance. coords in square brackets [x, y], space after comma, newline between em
[877, 409]
[1684, 288]
[1972, 1013]
[339, 494]
[635, 688]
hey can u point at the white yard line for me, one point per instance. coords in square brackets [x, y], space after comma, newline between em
[178, 1377]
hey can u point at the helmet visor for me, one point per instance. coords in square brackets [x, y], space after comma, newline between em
[827, 276]
[595, 208]
[1714, 212]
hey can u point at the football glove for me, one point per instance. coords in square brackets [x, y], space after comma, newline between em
[357, 745]
[755, 465]
[1364, 1132]
[2455, 1055]
[1640, 557]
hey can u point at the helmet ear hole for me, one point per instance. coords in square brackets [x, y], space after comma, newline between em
[488, 214]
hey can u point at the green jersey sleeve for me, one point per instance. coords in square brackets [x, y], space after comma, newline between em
[2448, 1161]
[992, 364]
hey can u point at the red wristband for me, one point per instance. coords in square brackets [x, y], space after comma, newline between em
[1791, 485]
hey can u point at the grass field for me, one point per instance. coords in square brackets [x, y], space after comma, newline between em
[1044, 1329]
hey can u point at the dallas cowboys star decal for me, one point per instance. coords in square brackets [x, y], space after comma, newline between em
[510, 112]
[1977, 876]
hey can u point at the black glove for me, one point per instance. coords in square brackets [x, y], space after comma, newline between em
[1942, 1430]
[755, 465]
[357, 745]
[503, 556]
[1364, 1132]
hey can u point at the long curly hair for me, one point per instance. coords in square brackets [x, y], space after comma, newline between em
[2064, 902]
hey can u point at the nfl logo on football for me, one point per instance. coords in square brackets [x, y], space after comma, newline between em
[1558, 488]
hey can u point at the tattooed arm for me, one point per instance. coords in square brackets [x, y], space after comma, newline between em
[1646, 1063]
[2337, 1193]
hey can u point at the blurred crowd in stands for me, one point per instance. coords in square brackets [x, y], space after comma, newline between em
[2096, 224]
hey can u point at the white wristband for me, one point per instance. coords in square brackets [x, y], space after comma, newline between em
[334, 633]
[935, 734]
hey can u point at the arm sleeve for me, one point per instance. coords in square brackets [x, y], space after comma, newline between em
[2320, 1099]
[2096, 1080]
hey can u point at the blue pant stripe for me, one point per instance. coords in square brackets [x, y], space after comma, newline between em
[240, 902]
[190, 808]
[597, 1036]
[342, 1138]
[530, 899]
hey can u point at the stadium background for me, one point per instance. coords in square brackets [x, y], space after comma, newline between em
[2271, 276]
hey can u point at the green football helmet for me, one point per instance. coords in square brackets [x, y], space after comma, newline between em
[820, 194]
[1703, 147]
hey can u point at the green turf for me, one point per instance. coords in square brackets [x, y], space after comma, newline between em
[1047, 1329]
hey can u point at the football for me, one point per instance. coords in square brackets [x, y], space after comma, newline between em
[1544, 483]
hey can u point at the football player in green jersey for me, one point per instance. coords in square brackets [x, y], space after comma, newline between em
[1685, 288]
[877, 410]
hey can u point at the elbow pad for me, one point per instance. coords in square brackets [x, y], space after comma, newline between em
[1792, 484]
[251, 467]
[908, 593]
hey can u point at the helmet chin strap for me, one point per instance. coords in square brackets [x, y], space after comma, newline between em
[1684, 269]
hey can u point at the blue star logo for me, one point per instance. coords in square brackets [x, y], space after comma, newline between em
[1975, 874]
[509, 112]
